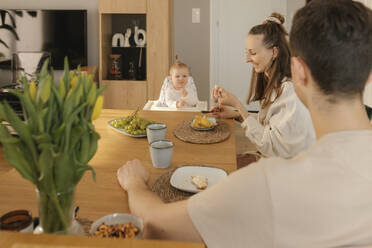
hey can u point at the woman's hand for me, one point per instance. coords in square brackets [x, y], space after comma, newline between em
[224, 112]
[224, 97]
[131, 174]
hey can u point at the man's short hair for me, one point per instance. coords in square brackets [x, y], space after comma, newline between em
[334, 38]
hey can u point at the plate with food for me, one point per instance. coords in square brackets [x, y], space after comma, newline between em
[203, 123]
[196, 178]
[132, 125]
[117, 225]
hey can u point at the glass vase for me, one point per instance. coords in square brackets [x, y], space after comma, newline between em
[56, 213]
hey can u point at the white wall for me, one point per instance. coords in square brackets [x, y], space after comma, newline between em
[90, 5]
[191, 41]
[230, 23]
[292, 7]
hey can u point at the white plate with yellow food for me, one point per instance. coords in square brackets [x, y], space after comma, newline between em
[203, 123]
[195, 179]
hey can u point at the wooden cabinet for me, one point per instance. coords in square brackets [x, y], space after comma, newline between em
[156, 18]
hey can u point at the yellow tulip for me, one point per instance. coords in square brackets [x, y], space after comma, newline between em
[33, 90]
[91, 94]
[45, 89]
[97, 107]
[79, 93]
[69, 93]
[74, 81]
[61, 88]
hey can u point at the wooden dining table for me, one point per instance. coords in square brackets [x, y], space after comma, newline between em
[105, 196]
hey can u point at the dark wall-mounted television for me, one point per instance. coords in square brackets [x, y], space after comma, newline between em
[60, 32]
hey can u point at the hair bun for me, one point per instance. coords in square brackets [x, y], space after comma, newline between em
[275, 17]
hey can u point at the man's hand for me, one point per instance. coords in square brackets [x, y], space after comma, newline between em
[131, 174]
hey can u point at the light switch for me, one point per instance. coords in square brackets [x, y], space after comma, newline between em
[195, 15]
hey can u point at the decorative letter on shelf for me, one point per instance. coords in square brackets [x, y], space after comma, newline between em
[137, 33]
[117, 37]
[126, 37]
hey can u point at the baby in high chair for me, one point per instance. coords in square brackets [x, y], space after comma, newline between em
[178, 89]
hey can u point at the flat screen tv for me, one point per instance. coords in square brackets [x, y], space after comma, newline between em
[59, 32]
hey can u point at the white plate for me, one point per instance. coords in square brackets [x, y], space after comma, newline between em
[211, 119]
[118, 218]
[120, 130]
[181, 178]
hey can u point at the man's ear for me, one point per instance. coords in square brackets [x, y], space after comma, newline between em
[298, 68]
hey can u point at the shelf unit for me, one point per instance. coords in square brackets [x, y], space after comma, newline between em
[156, 18]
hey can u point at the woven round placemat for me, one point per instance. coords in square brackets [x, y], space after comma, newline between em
[166, 191]
[185, 133]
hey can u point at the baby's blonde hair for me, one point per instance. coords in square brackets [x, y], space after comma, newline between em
[177, 65]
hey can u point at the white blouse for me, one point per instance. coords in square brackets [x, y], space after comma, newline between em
[169, 95]
[287, 128]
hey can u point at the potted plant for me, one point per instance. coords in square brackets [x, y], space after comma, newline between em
[55, 141]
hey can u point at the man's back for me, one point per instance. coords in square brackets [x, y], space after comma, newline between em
[323, 197]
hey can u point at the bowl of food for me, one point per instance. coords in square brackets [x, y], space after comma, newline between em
[117, 225]
[132, 125]
[203, 123]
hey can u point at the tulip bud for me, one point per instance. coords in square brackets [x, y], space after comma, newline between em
[97, 108]
[74, 81]
[89, 81]
[91, 94]
[32, 90]
[62, 88]
[79, 93]
[45, 89]
[69, 93]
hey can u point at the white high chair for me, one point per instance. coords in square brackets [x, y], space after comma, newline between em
[158, 105]
[201, 106]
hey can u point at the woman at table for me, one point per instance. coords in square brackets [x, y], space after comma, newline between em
[283, 125]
